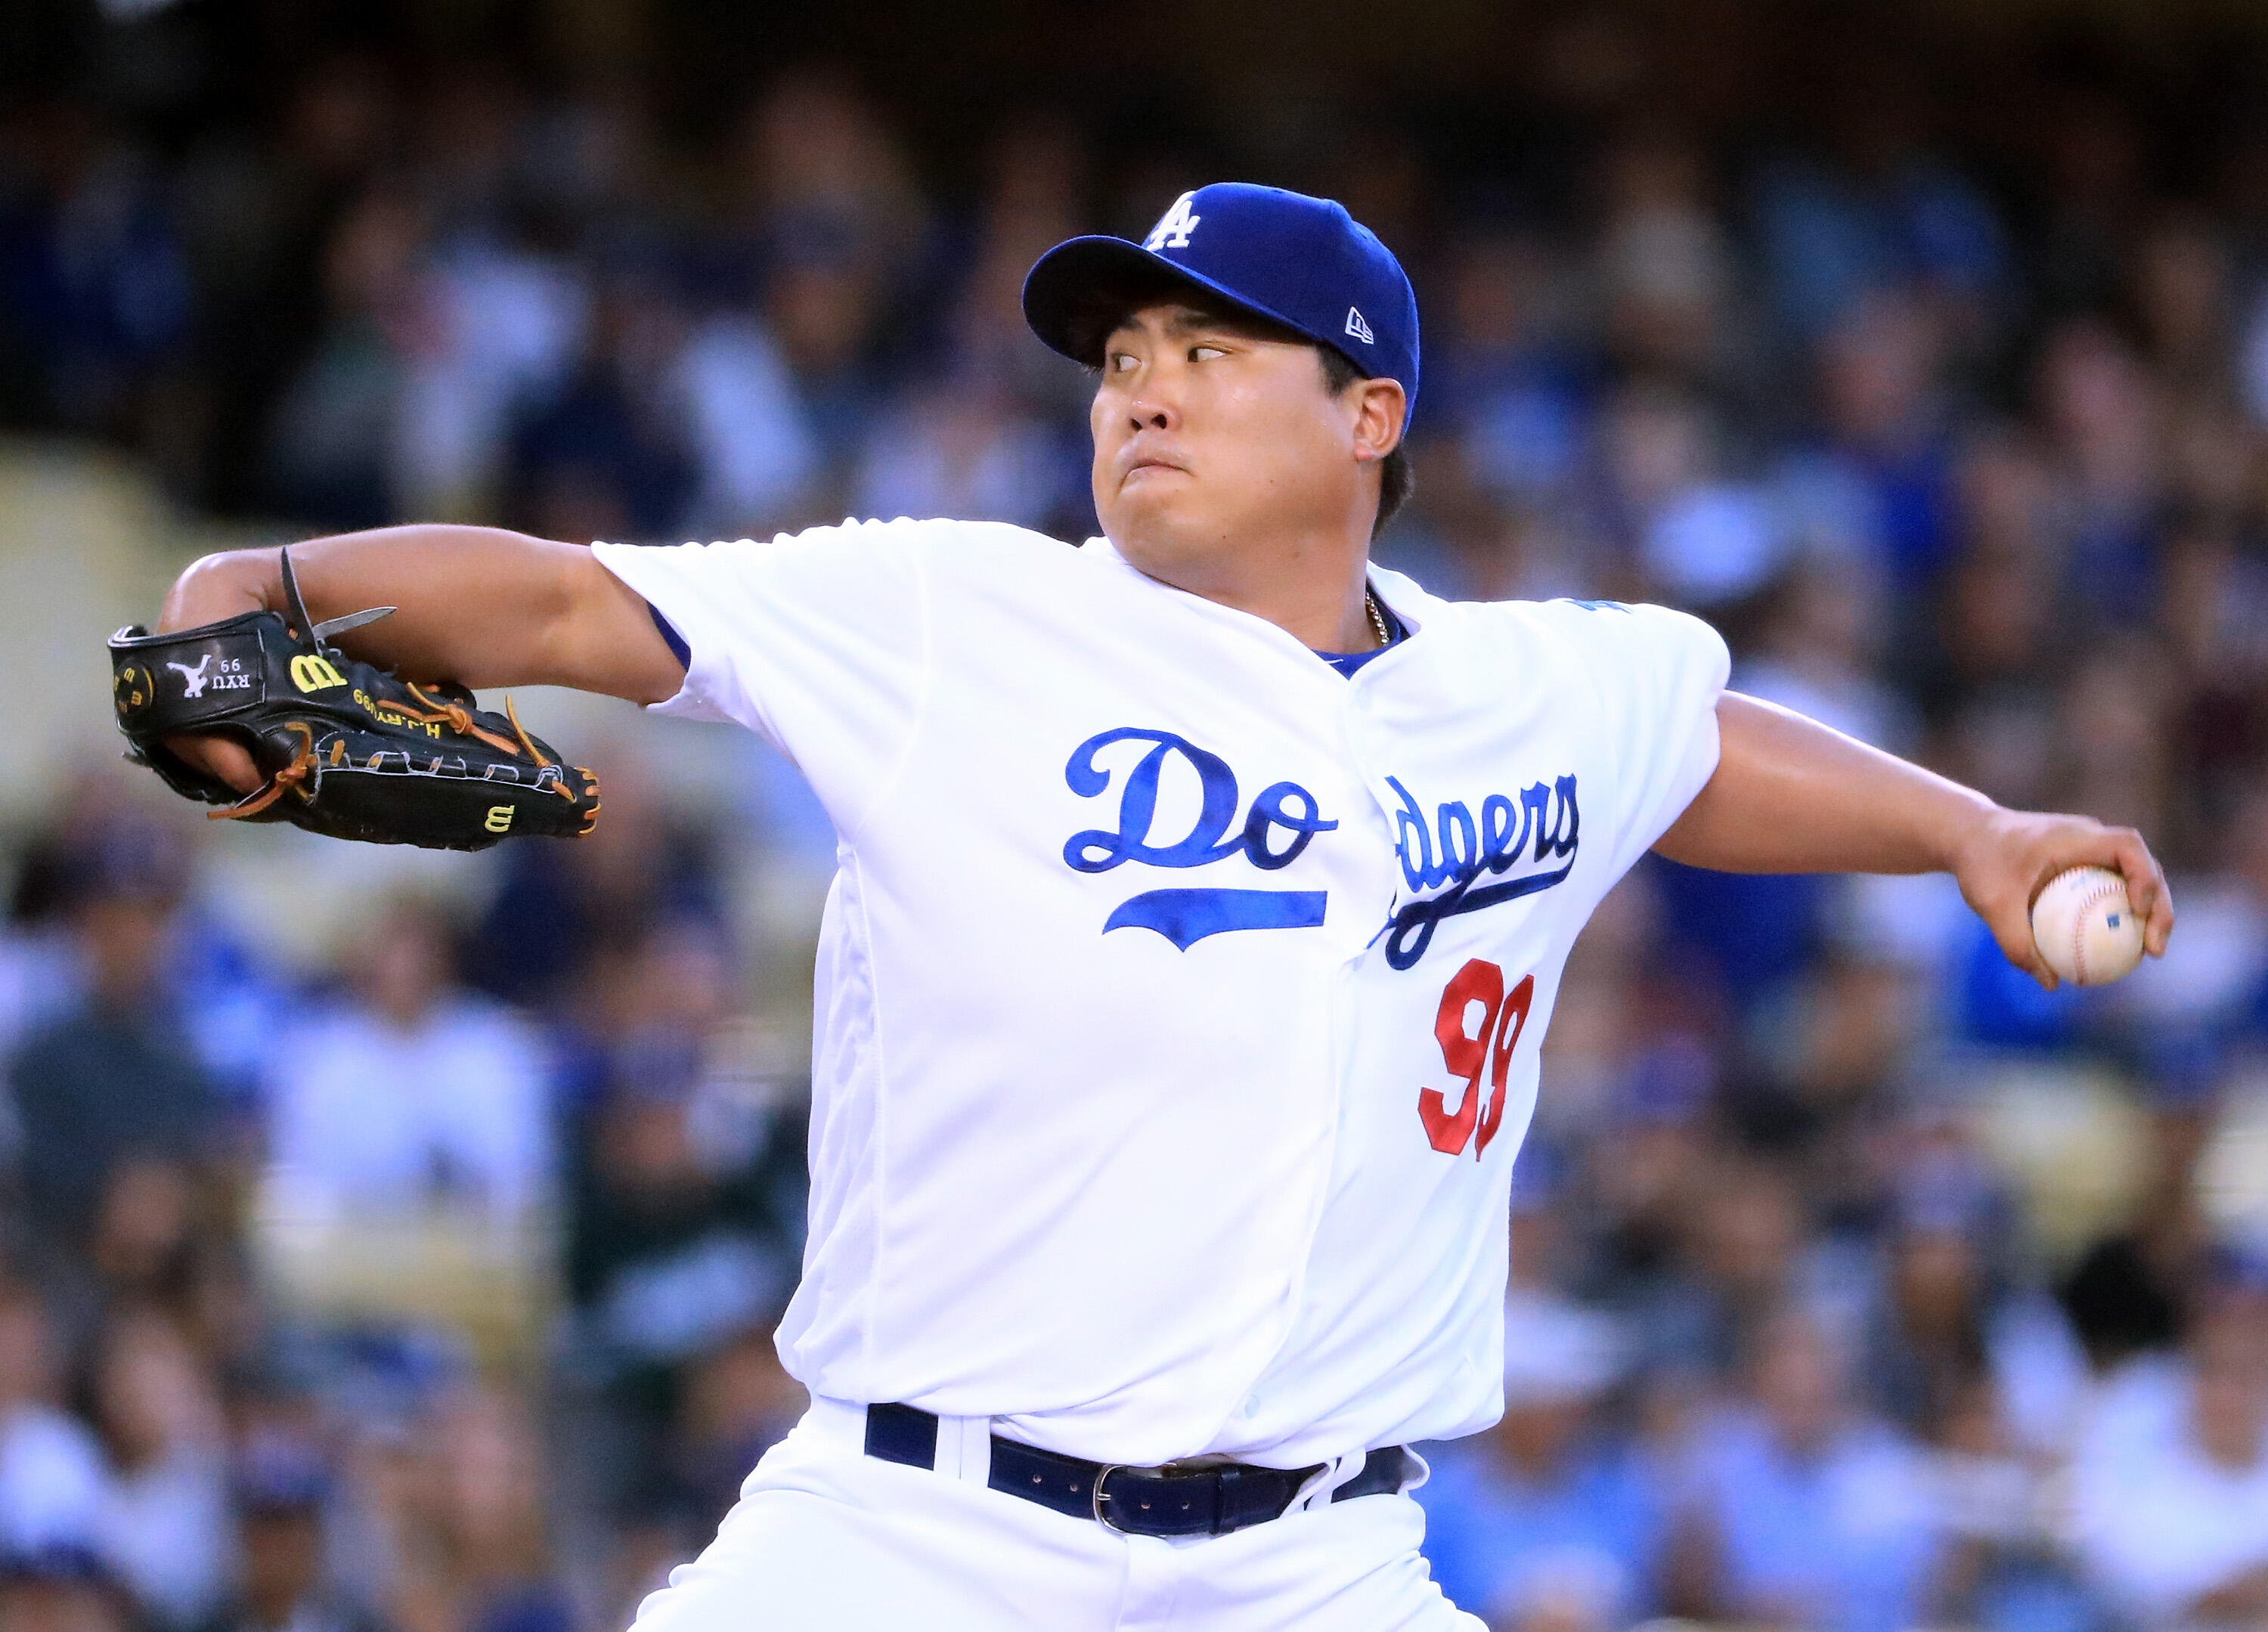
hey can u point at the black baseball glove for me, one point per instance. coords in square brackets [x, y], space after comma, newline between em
[348, 749]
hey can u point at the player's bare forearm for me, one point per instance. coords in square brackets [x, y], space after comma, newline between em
[480, 606]
[1789, 795]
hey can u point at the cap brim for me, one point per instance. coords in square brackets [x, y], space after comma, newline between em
[1059, 281]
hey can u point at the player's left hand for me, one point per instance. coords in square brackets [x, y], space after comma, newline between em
[2006, 859]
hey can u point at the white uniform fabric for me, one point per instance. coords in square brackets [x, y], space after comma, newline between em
[1178, 998]
[826, 1537]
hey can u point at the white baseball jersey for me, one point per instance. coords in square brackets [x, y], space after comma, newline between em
[1178, 996]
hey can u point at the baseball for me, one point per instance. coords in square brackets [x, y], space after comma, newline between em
[2085, 929]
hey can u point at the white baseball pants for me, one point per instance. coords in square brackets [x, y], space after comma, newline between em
[825, 1536]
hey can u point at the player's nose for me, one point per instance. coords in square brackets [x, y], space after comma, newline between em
[1153, 410]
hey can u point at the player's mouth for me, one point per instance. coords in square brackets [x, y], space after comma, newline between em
[1149, 466]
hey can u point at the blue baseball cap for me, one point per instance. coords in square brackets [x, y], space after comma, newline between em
[1303, 262]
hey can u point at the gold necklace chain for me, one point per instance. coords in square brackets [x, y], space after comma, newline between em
[1377, 618]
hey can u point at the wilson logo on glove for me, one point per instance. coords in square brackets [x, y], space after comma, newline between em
[310, 673]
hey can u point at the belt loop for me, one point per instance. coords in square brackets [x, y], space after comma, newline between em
[964, 1448]
[1317, 1492]
[1224, 1513]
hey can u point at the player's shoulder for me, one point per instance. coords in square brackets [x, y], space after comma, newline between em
[938, 535]
[1568, 623]
[942, 544]
[1614, 623]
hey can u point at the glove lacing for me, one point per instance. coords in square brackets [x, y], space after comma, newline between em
[292, 776]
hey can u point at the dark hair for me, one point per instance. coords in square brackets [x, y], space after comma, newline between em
[1103, 309]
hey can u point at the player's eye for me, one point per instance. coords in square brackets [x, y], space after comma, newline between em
[1197, 354]
[1120, 360]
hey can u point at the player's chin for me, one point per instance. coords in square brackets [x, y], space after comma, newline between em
[1146, 504]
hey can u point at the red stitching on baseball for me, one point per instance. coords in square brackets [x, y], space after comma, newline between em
[2086, 903]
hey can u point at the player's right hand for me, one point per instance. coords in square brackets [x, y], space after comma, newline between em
[209, 590]
[218, 757]
[2004, 860]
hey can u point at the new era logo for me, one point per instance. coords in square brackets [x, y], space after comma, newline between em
[1356, 326]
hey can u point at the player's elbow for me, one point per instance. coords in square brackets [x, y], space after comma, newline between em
[217, 586]
[601, 636]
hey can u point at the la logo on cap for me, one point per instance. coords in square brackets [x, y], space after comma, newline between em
[1356, 326]
[1173, 227]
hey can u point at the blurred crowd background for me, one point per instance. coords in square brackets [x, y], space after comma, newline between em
[391, 1244]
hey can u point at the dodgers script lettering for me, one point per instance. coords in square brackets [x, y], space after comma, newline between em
[1544, 826]
[1281, 822]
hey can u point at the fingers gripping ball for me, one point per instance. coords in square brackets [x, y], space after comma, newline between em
[2085, 929]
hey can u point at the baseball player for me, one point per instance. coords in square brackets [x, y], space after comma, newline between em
[1203, 896]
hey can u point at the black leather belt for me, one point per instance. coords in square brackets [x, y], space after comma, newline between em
[1208, 1501]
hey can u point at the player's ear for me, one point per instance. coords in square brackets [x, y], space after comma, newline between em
[1379, 406]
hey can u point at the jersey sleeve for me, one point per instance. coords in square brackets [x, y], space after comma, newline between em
[1660, 673]
[817, 640]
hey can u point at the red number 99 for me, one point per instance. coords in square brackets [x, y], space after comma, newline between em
[1485, 1050]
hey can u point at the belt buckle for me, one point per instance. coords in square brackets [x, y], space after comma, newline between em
[1101, 1517]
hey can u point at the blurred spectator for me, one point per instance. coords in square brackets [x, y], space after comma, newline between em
[1665, 494]
[93, 294]
[411, 1093]
[62, 1589]
[165, 1524]
[499, 325]
[739, 1401]
[144, 1234]
[1943, 1334]
[456, 1511]
[2133, 1292]
[2095, 187]
[756, 452]
[1642, 1201]
[331, 439]
[255, 207]
[1748, 1259]
[279, 1490]
[1883, 417]
[2172, 1485]
[38, 970]
[684, 1220]
[1796, 1508]
[1547, 1521]
[2106, 415]
[959, 449]
[842, 226]
[562, 917]
[1875, 210]
[676, 1235]
[113, 1078]
[1999, 1505]
[1509, 373]
[1664, 260]
[54, 1489]
[2183, 285]
[1037, 175]
[605, 455]
[978, 427]
[1817, 651]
